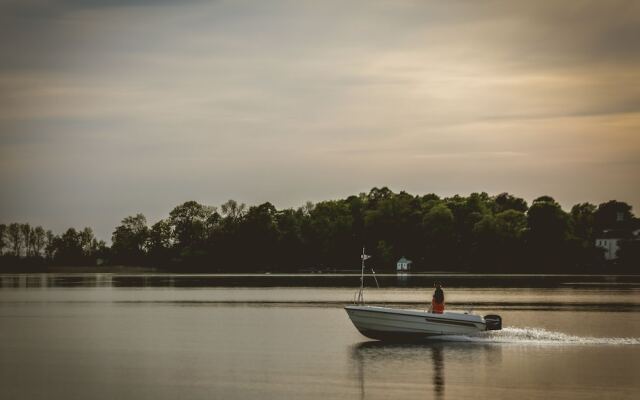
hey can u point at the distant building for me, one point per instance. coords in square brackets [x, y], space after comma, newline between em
[403, 264]
[610, 239]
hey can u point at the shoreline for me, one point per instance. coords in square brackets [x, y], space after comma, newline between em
[148, 271]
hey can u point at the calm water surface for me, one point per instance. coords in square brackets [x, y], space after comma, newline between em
[168, 337]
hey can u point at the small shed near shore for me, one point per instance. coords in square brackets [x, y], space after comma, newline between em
[403, 265]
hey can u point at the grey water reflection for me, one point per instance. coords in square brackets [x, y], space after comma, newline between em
[415, 369]
[403, 280]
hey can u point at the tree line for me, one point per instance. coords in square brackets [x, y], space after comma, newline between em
[476, 233]
[22, 245]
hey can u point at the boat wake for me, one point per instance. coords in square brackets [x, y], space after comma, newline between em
[537, 336]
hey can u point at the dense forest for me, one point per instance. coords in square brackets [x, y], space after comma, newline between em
[478, 233]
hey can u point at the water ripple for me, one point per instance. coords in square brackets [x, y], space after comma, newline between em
[539, 336]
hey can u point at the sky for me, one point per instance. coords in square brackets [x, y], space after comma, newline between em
[110, 108]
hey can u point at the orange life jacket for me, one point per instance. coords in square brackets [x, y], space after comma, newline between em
[436, 307]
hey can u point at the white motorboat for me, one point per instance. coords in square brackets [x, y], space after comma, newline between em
[385, 323]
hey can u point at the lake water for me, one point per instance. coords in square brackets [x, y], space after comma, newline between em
[103, 336]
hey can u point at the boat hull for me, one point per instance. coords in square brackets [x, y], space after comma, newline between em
[383, 323]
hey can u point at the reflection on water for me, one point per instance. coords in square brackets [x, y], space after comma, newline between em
[149, 343]
[402, 280]
[418, 366]
[261, 289]
[438, 371]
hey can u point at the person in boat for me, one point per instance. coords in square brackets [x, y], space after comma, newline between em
[437, 302]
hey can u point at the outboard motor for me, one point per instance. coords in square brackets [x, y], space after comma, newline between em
[493, 322]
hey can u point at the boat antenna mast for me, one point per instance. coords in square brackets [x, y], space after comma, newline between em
[360, 297]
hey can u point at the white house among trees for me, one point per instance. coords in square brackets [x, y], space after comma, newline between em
[610, 240]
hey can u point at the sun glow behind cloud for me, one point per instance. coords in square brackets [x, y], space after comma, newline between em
[113, 108]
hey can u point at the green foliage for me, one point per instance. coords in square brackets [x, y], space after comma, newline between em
[439, 235]
[547, 235]
[3, 238]
[385, 252]
[160, 238]
[38, 242]
[76, 247]
[27, 238]
[189, 222]
[583, 221]
[548, 223]
[260, 232]
[613, 215]
[14, 232]
[479, 232]
[629, 256]
[498, 241]
[130, 239]
[505, 201]
[328, 231]
[49, 245]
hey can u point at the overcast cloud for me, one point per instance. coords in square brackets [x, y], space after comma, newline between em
[109, 108]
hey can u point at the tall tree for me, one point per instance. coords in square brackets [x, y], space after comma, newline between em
[75, 247]
[27, 238]
[467, 211]
[547, 221]
[233, 210]
[38, 234]
[3, 238]
[68, 248]
[613, 215]
[15, 238]
[129, 239]
[88, 242]
[438, 225]
[505, 201]
[583, 222]
[259, 232]
[49, 245]
[189, 222]
[547, 235]
[159, 242]
[289, 226]
[329, 232]
[498, 242]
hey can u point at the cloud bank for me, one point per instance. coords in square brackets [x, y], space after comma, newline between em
[111, 108]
